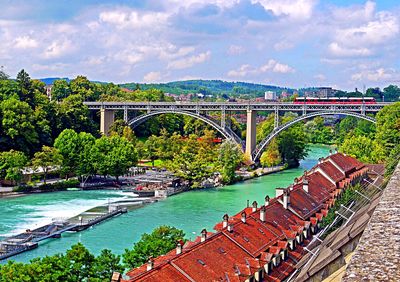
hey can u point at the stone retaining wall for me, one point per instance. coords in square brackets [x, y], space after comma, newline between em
[377, 257]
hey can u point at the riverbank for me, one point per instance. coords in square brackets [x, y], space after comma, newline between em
[190, 212]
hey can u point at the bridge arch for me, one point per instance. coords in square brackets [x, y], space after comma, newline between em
[263, 144]
[226, 132]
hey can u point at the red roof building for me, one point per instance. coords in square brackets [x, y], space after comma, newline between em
[259, 243]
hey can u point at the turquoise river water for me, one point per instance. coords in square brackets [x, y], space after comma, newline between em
[191, 211]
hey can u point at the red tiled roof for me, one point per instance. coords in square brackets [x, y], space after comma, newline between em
[253, 236]
[303, 204]
[347, 163]
[277, 218]
[214, 258]
[334, 173]
[319, 194]
[317, 179]
[166, 273]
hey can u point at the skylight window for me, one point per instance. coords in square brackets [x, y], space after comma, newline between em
[201, 262]
[221, 251]
[246, 239]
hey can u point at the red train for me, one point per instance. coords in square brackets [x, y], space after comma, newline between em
[335, 100]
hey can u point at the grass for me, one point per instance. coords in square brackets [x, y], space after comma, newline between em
[157, 163]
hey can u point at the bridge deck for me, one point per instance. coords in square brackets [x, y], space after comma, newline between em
[232, 106]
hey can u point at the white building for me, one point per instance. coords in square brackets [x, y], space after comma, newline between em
[269, 95]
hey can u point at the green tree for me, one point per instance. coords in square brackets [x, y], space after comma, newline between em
[82, 262]
[60, 90]
[391, 93]
[229, 158]
[105, 264]
[73, 114]
[293, 143]
[265, 127]
[3, 75]
[25, 87]
[113, 155]
[76, 151]
[46, 159]
[159, 242]
[11, 165]
[18, 124]
[317, 132]
[388, 127]
[271, 157]
[189, 164]
[151, 151]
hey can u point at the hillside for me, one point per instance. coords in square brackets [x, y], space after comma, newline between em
[208, 87]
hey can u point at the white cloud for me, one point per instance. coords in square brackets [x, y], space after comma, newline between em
[295, 9]
[340, 51]
[277, 67]
[363, 39]
[220, 3]
[50, 67]
[189, 61]
[271, 66]
[235, 50]
[283, 45]
[243, 71]
[320, 77]
[25, 42]
[133, 19]
[153, 76]
[354, 13]
[375, 75]
[59, 48]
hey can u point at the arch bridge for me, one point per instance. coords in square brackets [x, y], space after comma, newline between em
[142, 111]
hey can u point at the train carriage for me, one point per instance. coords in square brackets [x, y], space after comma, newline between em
[335, 100]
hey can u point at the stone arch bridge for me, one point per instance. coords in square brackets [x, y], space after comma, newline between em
[142, 111]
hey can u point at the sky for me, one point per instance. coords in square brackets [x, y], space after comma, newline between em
[294, 43]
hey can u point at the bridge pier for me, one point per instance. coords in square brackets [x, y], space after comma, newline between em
[251, 137]
[106, 120]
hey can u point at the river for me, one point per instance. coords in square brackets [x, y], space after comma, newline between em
[191, 211]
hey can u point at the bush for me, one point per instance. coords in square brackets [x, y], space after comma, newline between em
[57, 186]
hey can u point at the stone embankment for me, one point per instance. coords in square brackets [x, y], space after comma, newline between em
[377, 257]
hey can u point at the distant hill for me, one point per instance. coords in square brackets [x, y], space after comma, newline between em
[209, 87]
[50, 80]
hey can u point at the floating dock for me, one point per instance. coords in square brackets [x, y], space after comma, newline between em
[29, 239]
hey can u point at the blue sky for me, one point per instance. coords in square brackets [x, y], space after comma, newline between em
[293, 43]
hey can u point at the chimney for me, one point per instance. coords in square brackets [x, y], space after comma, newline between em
[305, 184]
[286, 199]
[254, 206]
[243, 217]
[179, 248]
[203, 235]
[150, 264]
[262, 214]
[225, 221]
[116, 277]
[266, 200]
[230, 228]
